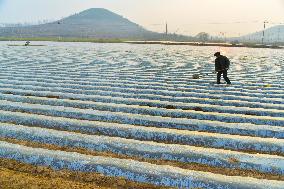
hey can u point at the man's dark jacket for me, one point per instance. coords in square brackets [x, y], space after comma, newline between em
[222, 63]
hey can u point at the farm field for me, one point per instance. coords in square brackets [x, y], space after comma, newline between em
[135, 116]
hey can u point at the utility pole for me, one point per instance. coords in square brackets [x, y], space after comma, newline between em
[166, 28]
[264, 26]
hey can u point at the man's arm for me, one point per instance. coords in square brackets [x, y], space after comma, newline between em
[227, 63]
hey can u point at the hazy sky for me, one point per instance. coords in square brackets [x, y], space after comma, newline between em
[234, 17]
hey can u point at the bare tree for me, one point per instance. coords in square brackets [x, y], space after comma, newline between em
[203, 36]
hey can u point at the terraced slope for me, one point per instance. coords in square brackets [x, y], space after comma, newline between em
[136, 112]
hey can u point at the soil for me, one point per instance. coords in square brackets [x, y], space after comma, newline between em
[16, 175]
[189, 166]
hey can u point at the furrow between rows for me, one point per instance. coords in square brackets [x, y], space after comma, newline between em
[77, 94]
[132, 170]
[48, 82]
[169, 91]
[172, 152]
[153, 112]
[171, 136]
[59, 99]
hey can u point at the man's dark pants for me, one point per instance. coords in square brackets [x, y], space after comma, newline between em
[224, 72]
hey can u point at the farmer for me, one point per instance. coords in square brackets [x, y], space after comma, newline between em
[222, 64]
[27, 43]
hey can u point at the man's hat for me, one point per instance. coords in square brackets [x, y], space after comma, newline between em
[217, 54]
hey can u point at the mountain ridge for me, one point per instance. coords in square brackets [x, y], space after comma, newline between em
[271, 35]
[91, 23]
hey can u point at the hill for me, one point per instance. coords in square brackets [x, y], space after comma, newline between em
[91, 23]
[272, 35]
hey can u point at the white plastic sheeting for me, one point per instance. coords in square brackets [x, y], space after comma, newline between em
[132, 170]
